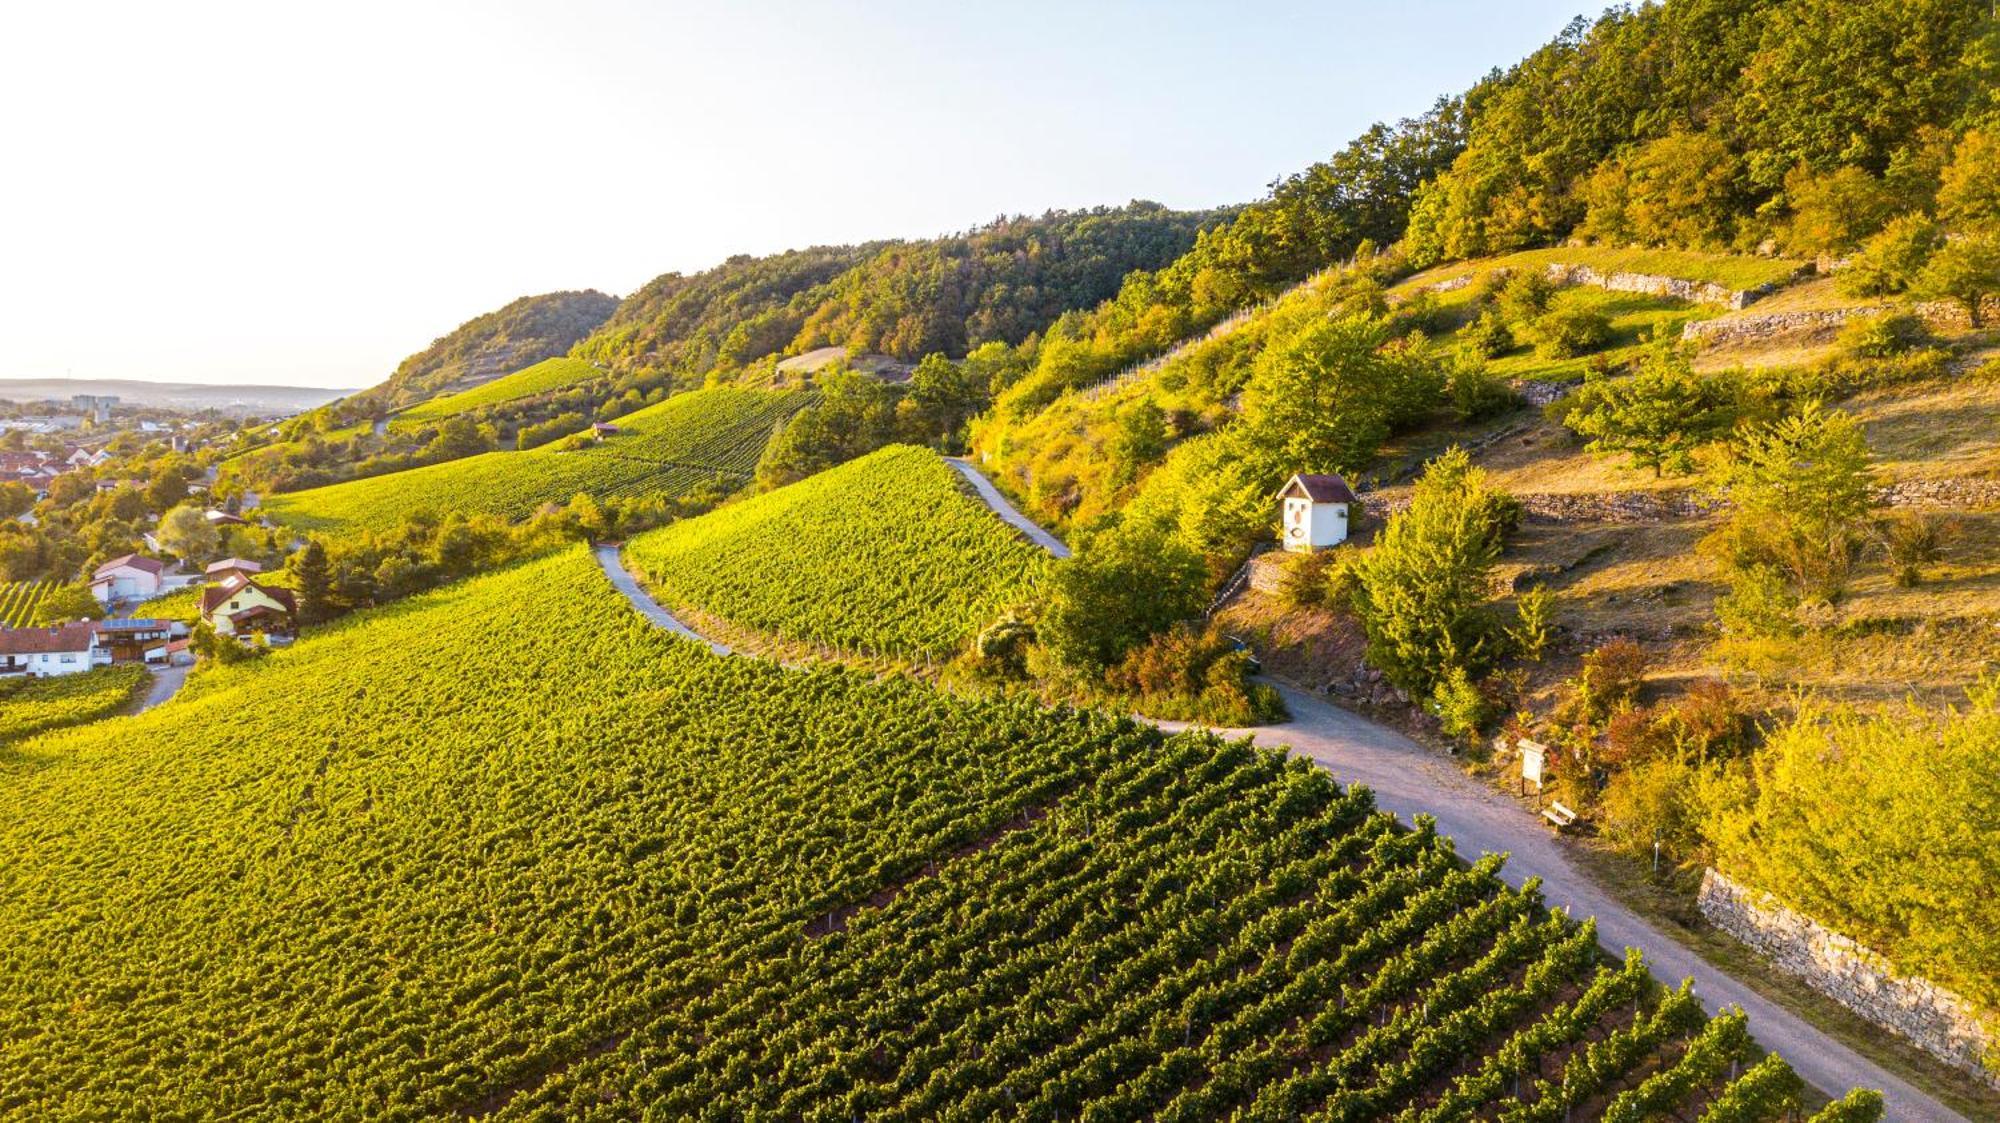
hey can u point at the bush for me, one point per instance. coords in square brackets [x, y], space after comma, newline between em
[1890, 261]
[1534, 612]
[1656, 799]
[1568, 329]
[1125, 586]
[1307, 581]
[1882, 337]
[1913, 541]
[1524, 295]
[1488, 336]
[1193, 672]
[1476, 392]
[1461, 709]
[1760, 604]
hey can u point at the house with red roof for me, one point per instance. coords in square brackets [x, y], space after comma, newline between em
[131, 577]
[64, 649]
[238, 605]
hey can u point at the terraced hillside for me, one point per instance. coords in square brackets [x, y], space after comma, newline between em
[703, 439]
[887, 555]
[452, 858]
[541, 378]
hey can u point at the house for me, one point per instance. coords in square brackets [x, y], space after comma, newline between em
[65, 649]
[132, 577]
[218, 571]
[602, 429]
[220, 519]
[127, 641]
[1315, 512]
[173, 653]
[238, 605]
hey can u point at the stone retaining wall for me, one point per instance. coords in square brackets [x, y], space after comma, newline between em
[1653, 284]
[1821, 324]
[1936, 1020]
[1683, 503]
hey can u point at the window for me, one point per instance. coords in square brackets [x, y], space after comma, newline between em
[68, 658]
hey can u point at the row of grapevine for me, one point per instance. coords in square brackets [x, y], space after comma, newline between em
[687, 443]
[19, 599]
[504, 850]
[884, 556]
[34, 705]
[544, 377]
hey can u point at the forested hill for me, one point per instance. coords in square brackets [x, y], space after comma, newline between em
[485, 347]
[1001, 282]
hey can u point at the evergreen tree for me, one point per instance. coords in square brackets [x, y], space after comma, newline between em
[315, 577]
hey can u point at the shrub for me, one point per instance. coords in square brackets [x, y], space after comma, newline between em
[1833, 211]
[1534, 612]
[1459, 706]
[1524, 295]
[1654, 800]
[1307, 580]
[1658, 417]
[1913, 541]
[1568, 329]
[1882, 337]
[1122, 588]
[1760, 604]
[1965, 271]
[1890, 261]
[1476, 392]
[1194, 672]
[1488, 336]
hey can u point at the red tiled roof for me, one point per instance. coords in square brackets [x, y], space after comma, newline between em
[214, 595]
[41, 641]
[1320, 488]
[139, 562]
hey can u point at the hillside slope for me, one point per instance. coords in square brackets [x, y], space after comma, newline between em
[886, 555]
[637, 877]
[485, 347]
[704, 440]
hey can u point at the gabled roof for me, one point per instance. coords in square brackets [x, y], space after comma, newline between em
[243, 565]
[140, 562]
[1319, 488]
[214, 595]
[47, 641]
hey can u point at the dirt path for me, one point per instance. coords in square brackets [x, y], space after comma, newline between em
[624, 582]
[166, 683]
[1409, 779]
[1006, 510]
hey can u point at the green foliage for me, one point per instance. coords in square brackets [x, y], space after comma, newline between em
[884, 556]
[1325, 399]
[1862, 1105]
[1194, 673]
[36, 705]
[1682, 189]
[62, 604]
[528, 382]
[20, 600]
[1422, 590]
[1121, 588]
[555, 428]
[1534, 621]
[1462, 711]
[1965, 270]
[1658, 416]
[1800, 489]
[1476, 393]
[1891, 261]
[690, 444]
[314, 574]
[524, 332]
[1760, 605]
[1831, 212]
[1881, 337]
[1968, 196]
[187, 533]
[1842, 806]
[1914, 541]
[1488, 335]
[1569, 328]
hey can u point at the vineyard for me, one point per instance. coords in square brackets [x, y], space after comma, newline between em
[19, 599]
[886, 555]
[702, 439]
[453, 858]
[541, 378]
[34, 705]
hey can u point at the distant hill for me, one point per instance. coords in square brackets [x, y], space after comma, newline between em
[243, 400]
[486, 347]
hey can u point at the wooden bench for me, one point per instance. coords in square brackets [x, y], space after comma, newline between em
[1561, 816]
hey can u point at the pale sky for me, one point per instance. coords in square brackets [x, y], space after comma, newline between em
[303, 194]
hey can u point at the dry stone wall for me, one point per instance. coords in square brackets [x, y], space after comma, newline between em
[1936, 1020]
[1653, 284]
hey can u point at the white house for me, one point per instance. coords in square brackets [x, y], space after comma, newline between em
[1315, 510]
[131, 577]
[65, 649]
[237, 605]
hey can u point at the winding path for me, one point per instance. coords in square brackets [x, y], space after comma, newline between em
[652, 610]
[991, 495]
[1409, 780]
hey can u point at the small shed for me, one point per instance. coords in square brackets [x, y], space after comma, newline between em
[1315, 511]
